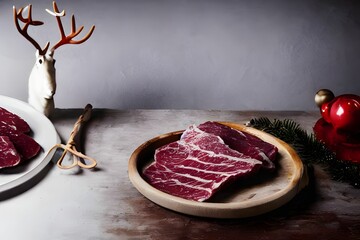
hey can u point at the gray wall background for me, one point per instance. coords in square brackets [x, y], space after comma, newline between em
[191, 54]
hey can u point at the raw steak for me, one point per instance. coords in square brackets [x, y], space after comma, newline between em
[24, 144]
[197, 166]
[13, 121]
[243, 142]
[8, 154]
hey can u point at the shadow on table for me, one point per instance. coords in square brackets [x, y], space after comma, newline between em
[23, 187]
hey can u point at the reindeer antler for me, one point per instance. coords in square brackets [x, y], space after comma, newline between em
[27, 22]
[69, 38]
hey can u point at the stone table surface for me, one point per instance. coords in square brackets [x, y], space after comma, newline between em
[103, 204]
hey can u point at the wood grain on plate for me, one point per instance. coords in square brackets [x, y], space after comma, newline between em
[260, 194]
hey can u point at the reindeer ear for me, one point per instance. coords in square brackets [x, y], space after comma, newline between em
[37, 54]
[51, 53]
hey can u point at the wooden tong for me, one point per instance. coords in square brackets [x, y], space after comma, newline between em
[78, 157]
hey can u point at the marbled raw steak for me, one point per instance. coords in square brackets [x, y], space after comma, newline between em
[13, 121]
[9, 157]
[243, 142]
[13, 136]
[197, 166]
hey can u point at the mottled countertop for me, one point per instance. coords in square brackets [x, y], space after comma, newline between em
[103, 204]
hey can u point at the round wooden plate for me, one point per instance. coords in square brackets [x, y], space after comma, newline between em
[252, 197]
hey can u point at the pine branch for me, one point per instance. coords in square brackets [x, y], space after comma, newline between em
[309, 149]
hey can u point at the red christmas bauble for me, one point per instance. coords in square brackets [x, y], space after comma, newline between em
[339, 127]
[345, 146]
[343, 112]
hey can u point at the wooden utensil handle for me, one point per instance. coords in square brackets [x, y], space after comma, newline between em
[85, 116]
[87, 112]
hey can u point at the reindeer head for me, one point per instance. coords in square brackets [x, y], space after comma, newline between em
[42, 82]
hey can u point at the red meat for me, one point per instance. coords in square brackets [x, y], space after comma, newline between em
[13, 121]
[243, 142]
[197, 166]
[9, 157]
[24, 144]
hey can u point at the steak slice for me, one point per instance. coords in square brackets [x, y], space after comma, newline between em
[9, 157]
[24, 144]
[243, 142]
[13, 120]
[197, 166]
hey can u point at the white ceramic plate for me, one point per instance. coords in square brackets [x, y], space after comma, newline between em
[43, 131]
[237, 201]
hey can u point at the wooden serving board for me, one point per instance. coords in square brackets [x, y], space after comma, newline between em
[252, 197]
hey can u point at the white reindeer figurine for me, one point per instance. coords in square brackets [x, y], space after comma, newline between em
[42, 80]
